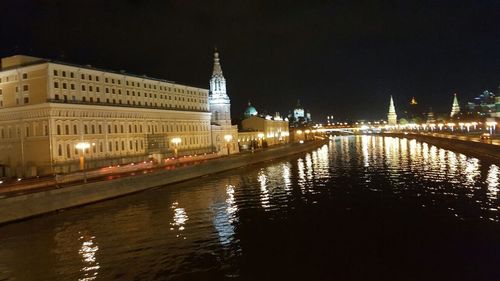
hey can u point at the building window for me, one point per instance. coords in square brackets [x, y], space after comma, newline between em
[83, 77]
[72, 75]
[59, 150]
[65, 85]
[26, 100]
[83, 87]
[66, 129]
[58, 129]
[75, 130]
[56, 97]
[56, 84]
[72, 86]
[55, 72]
[68, 151]
[25, 75]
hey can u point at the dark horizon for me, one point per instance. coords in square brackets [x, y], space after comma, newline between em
[339, 58]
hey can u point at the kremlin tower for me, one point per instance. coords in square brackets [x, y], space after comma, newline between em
[392, 118]
[455, 108]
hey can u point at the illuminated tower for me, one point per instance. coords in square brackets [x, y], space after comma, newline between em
[392, 118]
[455, 108]
[220, 105]
[430, 116]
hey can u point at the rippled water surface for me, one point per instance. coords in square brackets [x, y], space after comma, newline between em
[359, 208]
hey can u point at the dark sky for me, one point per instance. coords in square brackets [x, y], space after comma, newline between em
[341, 58]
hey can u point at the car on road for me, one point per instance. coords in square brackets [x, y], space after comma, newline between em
[485, 136]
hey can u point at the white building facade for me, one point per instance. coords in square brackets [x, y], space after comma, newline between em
[47, 108]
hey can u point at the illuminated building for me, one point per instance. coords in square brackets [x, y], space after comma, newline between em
[47, 107]
[224, 134]
[250, 111]
[392, 118]
[430, 117]
[299, 117]
[272, 130]
[455, 108]
[483, 105]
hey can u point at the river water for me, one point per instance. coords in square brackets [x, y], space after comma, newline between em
[359, 208]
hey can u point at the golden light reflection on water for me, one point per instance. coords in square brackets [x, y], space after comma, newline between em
[287, 177]
[493, 181]
[179, 220]
[264, 193]
[302, 174]
[88, 252]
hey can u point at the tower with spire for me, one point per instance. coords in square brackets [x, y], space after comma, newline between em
[392, 118]
[224, 134]
[220, 104]
[455, 108]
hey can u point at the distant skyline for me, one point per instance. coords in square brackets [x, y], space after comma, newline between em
[340, 58]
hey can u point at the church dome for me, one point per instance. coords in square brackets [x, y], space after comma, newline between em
[250, 111]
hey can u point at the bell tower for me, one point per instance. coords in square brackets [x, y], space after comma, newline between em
[220, 104]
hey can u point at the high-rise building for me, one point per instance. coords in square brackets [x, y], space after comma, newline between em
[392, 118]
[455, 108]
[224, 134]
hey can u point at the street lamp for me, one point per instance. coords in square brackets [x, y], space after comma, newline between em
[82, 146]
[451, 125]
[176, 142]
[491, 126]
[228, 139]
[260, 136]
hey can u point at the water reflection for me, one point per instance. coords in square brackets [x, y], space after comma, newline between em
[492, 181]
[88, 252]
[247, 212]
[264, 197]
[225, 217]
[179, 220]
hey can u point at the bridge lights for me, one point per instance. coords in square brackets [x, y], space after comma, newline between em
[440, 126]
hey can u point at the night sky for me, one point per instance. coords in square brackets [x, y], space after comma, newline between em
[341, 58]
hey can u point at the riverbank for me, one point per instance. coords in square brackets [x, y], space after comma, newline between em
[29, 205]
[472, 148]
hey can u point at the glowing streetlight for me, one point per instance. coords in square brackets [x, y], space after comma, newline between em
[82, 146]
[491, 125]
[467, 125]
[440, 125]
[461, 126]
[451, 125]
[176, 142]
[228, 139]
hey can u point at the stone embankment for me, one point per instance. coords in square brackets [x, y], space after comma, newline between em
[472, 148]
[33, 204]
